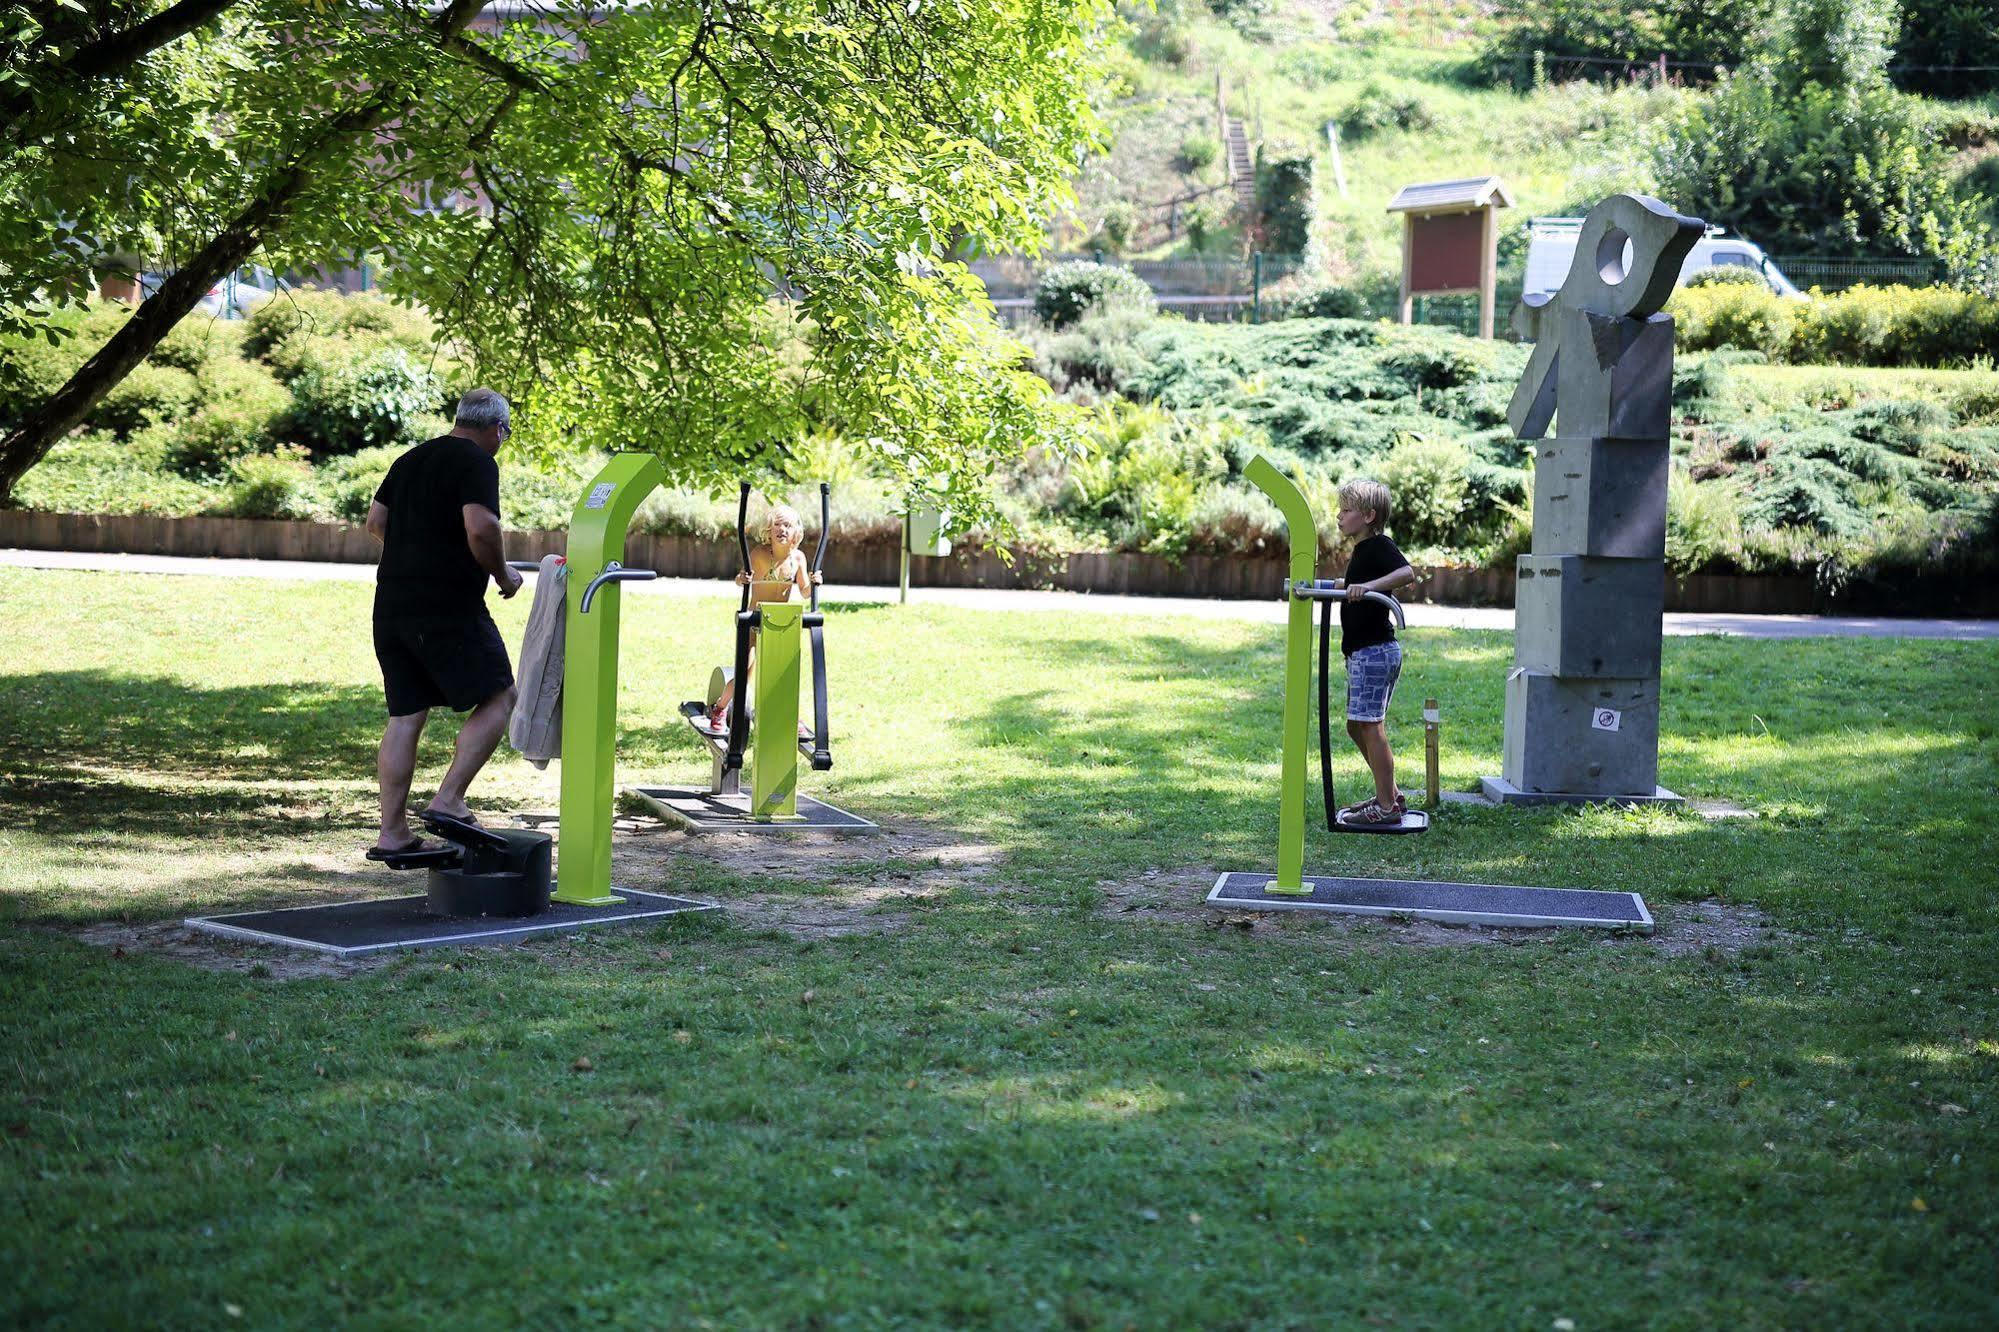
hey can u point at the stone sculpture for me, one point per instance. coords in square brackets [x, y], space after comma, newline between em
[1582, 700]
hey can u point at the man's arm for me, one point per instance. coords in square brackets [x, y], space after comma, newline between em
[482, 535]
[378, 522]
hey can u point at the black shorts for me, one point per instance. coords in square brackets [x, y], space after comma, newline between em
[457, 660]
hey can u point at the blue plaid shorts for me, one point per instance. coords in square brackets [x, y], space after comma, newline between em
[1371, 676]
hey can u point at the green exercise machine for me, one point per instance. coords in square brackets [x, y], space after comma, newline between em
[1303, 587]
[763, 739]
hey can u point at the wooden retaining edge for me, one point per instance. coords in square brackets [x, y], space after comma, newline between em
[867, 564]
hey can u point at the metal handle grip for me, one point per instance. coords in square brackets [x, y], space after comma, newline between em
[614, 573]
[825, 529]
[525, 566]
[1336, 591]
[743, 536]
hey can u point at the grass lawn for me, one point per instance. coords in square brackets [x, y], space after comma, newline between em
[996, 1067]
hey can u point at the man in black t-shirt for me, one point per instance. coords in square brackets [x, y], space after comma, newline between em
[1367, 641]
[437, 515]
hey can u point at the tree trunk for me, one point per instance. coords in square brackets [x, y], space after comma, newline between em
[31, 440]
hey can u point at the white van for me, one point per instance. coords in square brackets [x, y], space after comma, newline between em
[1551, 246]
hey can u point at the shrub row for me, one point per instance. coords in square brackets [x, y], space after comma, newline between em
[1863, 325]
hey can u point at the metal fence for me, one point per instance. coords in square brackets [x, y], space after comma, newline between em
[1829, 274]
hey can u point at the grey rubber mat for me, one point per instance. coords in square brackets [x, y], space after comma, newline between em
[1454, 903]
[351, 929]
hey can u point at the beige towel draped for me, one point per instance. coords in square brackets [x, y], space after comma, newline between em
[536, 726]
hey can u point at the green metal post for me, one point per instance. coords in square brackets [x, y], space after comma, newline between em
[590, 678]
[1256, 288]
[1303, 537]
[774, 771]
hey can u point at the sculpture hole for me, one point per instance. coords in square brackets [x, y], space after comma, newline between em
[1613, 256]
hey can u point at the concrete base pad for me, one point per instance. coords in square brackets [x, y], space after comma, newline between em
[697, 810]
[353, 929]
[1499, 791]
[1452, 903]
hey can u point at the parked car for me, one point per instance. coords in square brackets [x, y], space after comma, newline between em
[231, 298]
[1551, 247]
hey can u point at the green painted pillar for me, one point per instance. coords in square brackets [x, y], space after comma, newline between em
[590, 679]
[1303, 536]
[774, 762]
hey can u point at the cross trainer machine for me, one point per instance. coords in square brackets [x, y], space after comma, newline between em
[491, 885]
[1291, 889]
[1302, 587]
[764, 738]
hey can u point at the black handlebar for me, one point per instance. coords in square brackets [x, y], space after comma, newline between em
[743, 536]
[825, 527]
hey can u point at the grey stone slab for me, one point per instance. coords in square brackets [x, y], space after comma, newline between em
[1601, 497]
[1499, 791]
[1598, 618]
[1592, 739]
[1615, 375]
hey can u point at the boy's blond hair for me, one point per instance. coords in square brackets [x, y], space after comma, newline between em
[1364, 493]
[778, 511]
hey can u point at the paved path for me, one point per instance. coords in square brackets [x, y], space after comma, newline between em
[1269, 611]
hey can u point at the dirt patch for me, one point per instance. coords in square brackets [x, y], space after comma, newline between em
[820, 885]
[1688, 928]
[1179, 895]
[211, 953]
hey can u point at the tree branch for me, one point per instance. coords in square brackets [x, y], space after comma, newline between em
[113, 53]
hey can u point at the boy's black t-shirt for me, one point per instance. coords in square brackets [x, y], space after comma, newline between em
[427, 566]
[1366, 623]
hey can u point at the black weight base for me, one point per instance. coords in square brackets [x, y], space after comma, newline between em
[1413, 821]
[698, 810]
[353, 929]
[1452, 903]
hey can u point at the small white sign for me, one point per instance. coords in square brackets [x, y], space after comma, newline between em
[1607, 719]
[599, 496]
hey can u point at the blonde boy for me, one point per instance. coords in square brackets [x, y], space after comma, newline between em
[1367, 641]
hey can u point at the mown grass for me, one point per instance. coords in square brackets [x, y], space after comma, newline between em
[1019, 1109]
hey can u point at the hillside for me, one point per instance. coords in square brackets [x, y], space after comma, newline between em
[1403, 79]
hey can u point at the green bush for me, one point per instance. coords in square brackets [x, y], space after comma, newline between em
[1285, 199]
[1726, 275]
[1198, 152]
[349, 483]
[1142, 474]
[1207, 219]
[383, 399]
[1065, 292]
[334, 314]
[1099, 350]
[197, 342]
[1906, 326]
[242, 409]
[1428, 481]
[272, 485]
[1730, 315]
[1703, 524]
[1375, 108]
[1321, 300]
[151, 395]
[33, 368]
[1120, 223]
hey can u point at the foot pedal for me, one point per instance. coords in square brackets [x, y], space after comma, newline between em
[430, 857]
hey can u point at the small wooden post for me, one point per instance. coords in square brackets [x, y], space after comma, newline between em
[903, 596]
[1432, 796]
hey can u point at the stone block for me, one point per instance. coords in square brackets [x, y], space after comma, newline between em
[1574, 615]
[1590, 738]
[1601, 497]
[1614, 376]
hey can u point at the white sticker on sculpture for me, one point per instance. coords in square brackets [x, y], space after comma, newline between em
[1607, 719]
[599, 496]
